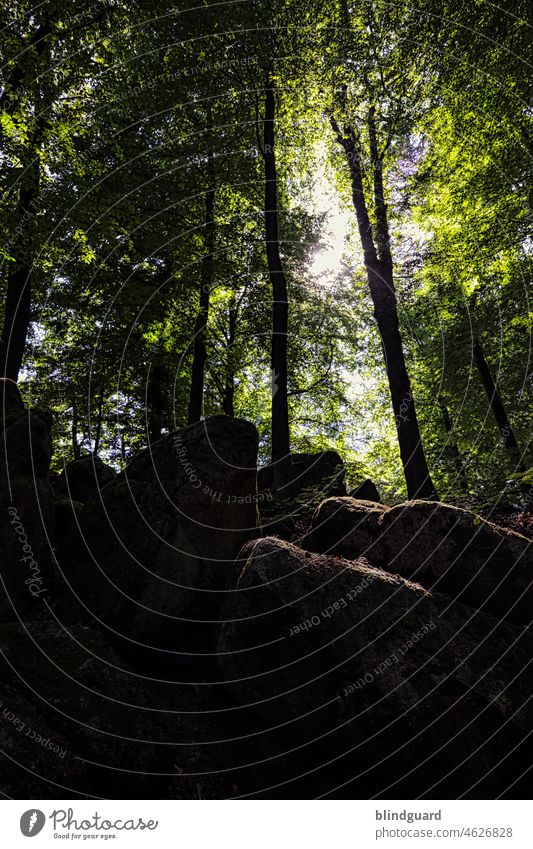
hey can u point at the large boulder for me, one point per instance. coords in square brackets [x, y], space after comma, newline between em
[10, 400]
[425, 696]
[153, 551]
[26, 506]
[79, 716]
[460, 554]
[76, 719]
[323, 471]
[83, 478]
[438, 545]
[366, 491]
[286, 507]
[37, 759]
[345, 526]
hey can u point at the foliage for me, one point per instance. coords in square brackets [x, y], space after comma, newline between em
[116, 241]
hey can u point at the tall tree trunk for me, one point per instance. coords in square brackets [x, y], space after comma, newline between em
[155, 401]
[18, 292]
[99, 417]
[17, 309]
[280, 306]
[196, 399]
[498, 409]
[379, 270]
[74, 431]
[229, 384]
[452, 446]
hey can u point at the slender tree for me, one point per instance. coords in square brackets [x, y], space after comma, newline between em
[497, 407]
[280, 304]
[195, 409]
[379, 270]
[18, 297]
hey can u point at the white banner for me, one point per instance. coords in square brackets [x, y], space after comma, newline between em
[267, 824]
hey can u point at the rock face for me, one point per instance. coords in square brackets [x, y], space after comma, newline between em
[324, 470]
[155, 548]
[462, 555]
[26, 505]
[35, 762]
[442, 547]
[425, 697]
[275, 672]
[65, 512]
[286, 511]
[83, 478]
[80, 721]
[366, 491]
[90, 707]
[347, 527]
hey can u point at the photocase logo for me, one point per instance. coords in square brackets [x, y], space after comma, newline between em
[32, 822]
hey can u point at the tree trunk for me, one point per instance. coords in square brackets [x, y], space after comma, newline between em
[18, 292]
[280, 306]
[74, 431]
[195, 409]
[379, 269]
[155, 401]
[99, 416]
[452, 446]
[497, 407]
[17, 309]
[229, 386]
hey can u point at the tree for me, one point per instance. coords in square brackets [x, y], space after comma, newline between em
[32, 120]
[280, 305]
[381, 104]
[206, 282]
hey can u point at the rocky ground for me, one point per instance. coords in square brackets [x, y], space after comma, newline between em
[175, 632]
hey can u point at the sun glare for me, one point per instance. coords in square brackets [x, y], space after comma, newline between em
[338, 224]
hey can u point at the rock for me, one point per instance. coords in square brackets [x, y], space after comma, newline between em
[83, 478]
[366, 491]
[65, 511]
[438, 545]
[10, 399]
[346, 527]
[326, 468]
[460, 554]
[413, 695]
[26, 507]
[120, 734]
[26, 445]
[70, 687]
[283, 527]
[154, 550]
[324, 471]
[37, 759]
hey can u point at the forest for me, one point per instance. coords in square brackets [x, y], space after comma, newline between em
[316, 217]
[265, 310]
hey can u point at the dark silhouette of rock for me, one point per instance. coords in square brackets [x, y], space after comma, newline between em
[154, 549]
[10, 399]
[26, 506]
[71, 687]
[116, 733]
[283, 527]
[65, 512]
[37, 759]
[440, 546]
[460, 554]
[346, 527]
[324, 471]
[81, 479]
[426, 697]
[366, 491]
